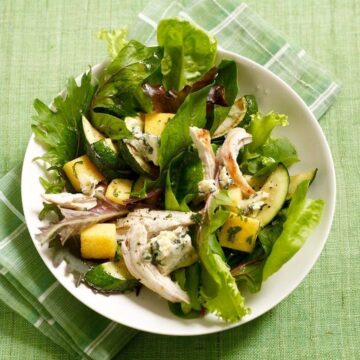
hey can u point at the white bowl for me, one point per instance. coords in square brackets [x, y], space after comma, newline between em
[150, 313]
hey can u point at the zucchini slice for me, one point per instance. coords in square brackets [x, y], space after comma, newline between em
[110, 277]
[295, 180]
[276, 185]
[134, 160]
[103, 153]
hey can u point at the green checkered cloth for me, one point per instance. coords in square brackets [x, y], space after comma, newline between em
[28, 287]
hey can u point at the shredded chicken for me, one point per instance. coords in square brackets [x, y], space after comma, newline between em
[202, 141]
[235, 116]
[227, 155]
[156, 220]
[71, 201]
[133, 250]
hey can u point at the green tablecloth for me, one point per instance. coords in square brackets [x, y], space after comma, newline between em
[43, 42]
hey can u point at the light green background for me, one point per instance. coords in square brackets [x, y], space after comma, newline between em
[44, 42]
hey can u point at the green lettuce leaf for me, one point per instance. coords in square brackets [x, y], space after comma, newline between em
[176, 136]
[261, 127]
[189, 52]
[189, 280]
[301, 217]
[119, 93]
[219, 292]
[60, 131]
[227, 78]
[268, 156]
[115, 40]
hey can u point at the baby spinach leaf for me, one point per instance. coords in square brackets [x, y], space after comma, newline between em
[185, 171]
[176, 136]
[227, 80]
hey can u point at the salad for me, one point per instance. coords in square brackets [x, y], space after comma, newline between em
[161, 176]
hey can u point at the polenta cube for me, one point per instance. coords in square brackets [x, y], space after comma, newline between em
[98, 241]
[156, 122]
[119, 190]
[239, 233]
[83, 174]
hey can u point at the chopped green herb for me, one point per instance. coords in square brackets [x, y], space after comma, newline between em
[197, 218]
[249, 240]
[232, 232]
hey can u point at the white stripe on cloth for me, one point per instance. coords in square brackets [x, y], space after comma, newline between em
[228, 19]
[6, 240]
[16, 178]
[90, 348]
[324, 96]
[3, 271]
[11, 207]
[151, 22]
[267, 51]
[145, 18]
[301, 53]
[277, 55]
[185, 15]
[48, 291]
[39, 322]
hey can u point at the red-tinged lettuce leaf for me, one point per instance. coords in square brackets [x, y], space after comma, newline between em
[164, 101]
[249, 272]
[119, 93]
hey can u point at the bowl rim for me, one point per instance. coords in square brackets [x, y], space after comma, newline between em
[326, 222]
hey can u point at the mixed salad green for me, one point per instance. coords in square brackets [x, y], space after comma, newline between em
[160, 175]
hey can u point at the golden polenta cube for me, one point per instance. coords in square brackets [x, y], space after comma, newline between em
[98, 241]
[119, 190]
[82, 174]
[156, 122]
[239, 233]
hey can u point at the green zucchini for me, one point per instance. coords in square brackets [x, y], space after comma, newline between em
[295, 180]
[110, 277]
[103, 153]
[134, 160]
[276, 185]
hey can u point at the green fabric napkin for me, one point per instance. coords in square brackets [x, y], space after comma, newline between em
[28, 287]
